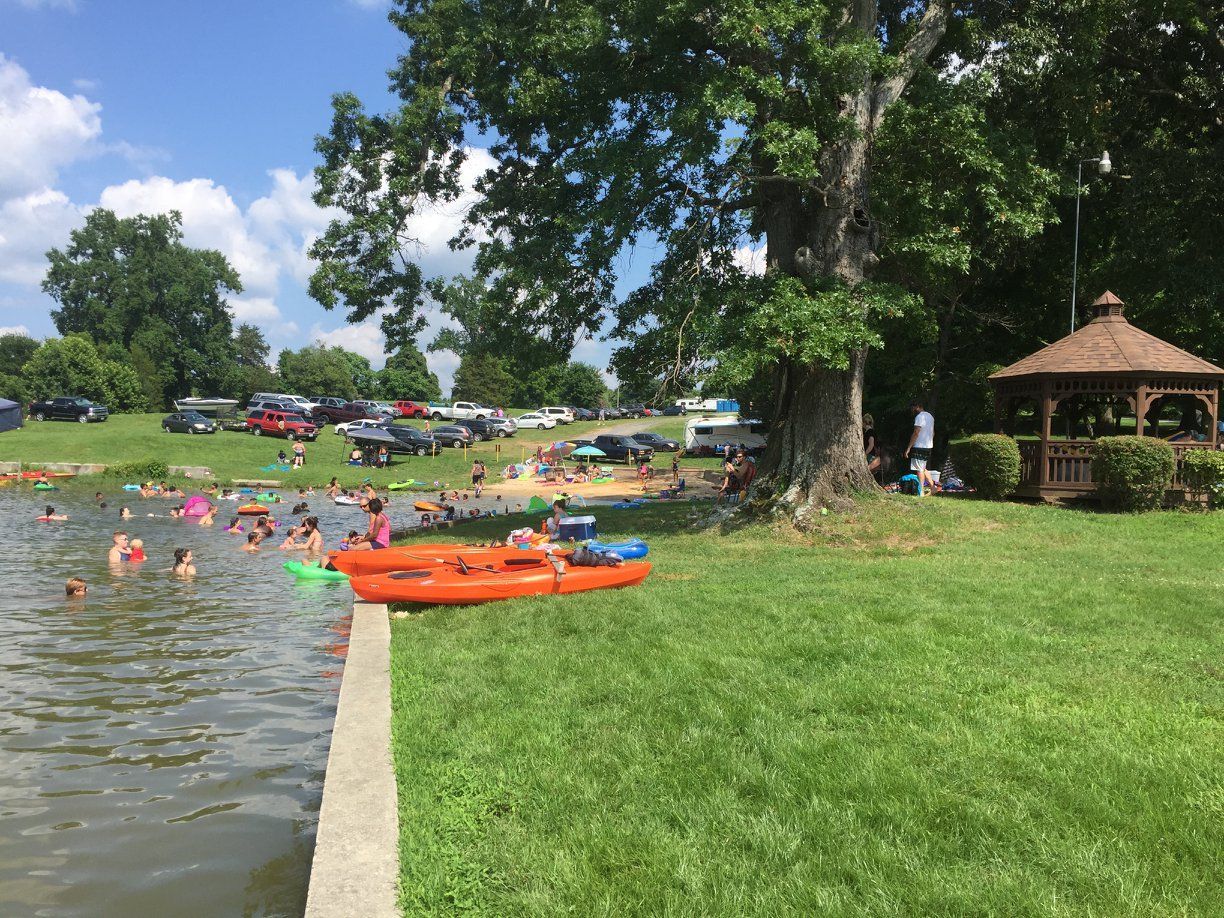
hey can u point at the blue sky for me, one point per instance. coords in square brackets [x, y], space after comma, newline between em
[208, 108]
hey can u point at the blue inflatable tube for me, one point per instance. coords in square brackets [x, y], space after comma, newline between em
[634, 548]
[131, 487]
[627, 505]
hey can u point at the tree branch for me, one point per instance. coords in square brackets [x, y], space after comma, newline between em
[922, 44]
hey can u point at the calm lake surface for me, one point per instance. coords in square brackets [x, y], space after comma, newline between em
[163, 742]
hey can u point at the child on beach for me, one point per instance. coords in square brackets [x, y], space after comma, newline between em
[138, 553]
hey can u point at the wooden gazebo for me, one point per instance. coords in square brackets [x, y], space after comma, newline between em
[1085, 385]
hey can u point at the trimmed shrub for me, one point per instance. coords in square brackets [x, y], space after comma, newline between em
[1132, 473]
[988, 463]
[139, 470]
[1203, 473]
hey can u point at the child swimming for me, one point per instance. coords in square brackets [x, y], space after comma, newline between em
[138, 553]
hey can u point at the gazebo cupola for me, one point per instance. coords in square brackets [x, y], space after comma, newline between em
[1086, 384]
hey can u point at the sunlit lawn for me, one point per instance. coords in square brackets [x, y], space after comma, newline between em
[935, 707]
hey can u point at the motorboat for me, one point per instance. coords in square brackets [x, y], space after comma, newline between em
[206, 405]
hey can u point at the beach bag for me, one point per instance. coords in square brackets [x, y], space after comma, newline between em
[909, 484]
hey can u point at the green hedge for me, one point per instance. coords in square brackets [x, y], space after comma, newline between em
[140, 470]
[1203, 473]
[1132, 473]
[988, 463]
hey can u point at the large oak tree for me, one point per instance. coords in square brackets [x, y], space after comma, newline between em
[689, 126]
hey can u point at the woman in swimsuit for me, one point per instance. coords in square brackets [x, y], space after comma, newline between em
[182, 563]
[379, 533]
[314, 538]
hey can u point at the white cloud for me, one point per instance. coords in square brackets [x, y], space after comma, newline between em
[85, 85]
[70, 5]
[29, 226]
[369, 4]
[41, 130]
[256, 309]
[749, 260]
[365, 339]
[14, 330]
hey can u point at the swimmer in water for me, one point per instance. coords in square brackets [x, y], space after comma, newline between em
[119, 548]
[138, 551]
[210, 517]
[51, 516]
[253, 540]
[183, 565]
[125, 513]
[75, 588]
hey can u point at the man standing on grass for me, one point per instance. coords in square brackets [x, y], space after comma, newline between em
[921, 442]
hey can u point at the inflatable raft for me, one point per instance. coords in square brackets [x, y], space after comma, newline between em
[426, 507]
[419, 557]
[465, 584]
[629, 550]
[314, 571]
[348, 501]
[44, 486]
[251, 510]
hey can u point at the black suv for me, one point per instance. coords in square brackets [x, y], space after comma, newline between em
[481, 428]
[412, 441]
[69, 408]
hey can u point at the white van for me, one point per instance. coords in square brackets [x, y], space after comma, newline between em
[716, 433]
[560, 415]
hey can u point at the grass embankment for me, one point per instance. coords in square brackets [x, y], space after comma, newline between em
[231, 455]
[930, 708]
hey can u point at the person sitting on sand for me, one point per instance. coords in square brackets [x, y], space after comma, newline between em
[355, 456]
[138, 553]
[50, 516]
[210, 517]
[281, 457]
[119, 548]
[253, 540]
[183, 566]
[75, 588]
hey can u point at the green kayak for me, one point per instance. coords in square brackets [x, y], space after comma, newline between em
[401, 485]
[312, 571]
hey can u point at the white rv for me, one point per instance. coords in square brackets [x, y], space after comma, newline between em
[712, 405]
[716, 433]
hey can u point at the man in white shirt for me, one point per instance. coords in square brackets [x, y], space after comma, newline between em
[921, 442]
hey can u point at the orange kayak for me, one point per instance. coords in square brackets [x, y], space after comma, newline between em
[452, 585]
[427, 507]
[417, 557]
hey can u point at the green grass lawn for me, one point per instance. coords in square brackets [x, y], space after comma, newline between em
[128, 437]
[936, 707]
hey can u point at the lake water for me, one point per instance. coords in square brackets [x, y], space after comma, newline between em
[162, 743]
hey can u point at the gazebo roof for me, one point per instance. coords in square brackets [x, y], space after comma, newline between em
[1109, 344]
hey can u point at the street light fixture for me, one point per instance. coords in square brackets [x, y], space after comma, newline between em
[1104, 167]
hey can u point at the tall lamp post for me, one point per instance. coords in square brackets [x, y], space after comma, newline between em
[1104, 167]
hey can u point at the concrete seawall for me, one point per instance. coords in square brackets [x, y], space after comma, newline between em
[356, 860]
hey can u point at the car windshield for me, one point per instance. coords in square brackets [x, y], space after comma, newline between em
[294, 419]
[83, 402]
[194, 416]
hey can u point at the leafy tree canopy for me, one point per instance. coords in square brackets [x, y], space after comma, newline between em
[483, 378]
[407, 375]
[131, 282]
[72, 366]
[319, 370]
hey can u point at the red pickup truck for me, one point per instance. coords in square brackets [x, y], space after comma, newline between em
[280, 424]
[411, 409]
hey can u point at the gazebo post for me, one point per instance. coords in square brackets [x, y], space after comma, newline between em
[1141, 410]
[1215, 417]
[1047, 409]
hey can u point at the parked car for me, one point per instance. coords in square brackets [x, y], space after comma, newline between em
[411, 409]
[633, 411]
[271, 404]
[412, 440]
[68, 408]
[672, 411]
[327, 401]
[584, 414]
[280, 424]
[343, 430]
[303, 406]
[348, 411]
[458, 411]
[536, 420]
[561, 414]
[453, 435]
[613, 413]
[619, 448]
[374, 408]
[657, 442]
[481, 428]
[504, 427]
[189, 422]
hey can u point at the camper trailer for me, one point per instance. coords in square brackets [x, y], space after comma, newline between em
[706, 435]
[710, 405]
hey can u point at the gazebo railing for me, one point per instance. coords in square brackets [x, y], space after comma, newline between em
[1068, 463]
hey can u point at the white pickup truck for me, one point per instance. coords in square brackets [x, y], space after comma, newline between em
[460, 411]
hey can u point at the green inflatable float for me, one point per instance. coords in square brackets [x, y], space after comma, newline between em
[303, 571]
[401, 485]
